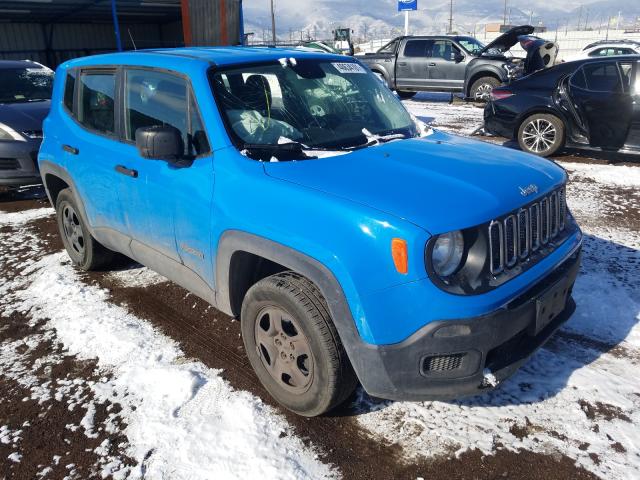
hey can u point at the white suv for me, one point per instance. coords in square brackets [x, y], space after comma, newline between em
[608, 48]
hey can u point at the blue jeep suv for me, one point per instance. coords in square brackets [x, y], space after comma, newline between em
[292, 189]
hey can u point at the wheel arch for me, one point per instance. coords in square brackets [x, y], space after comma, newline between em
[485, 72]
[237, 253]
[55, 179]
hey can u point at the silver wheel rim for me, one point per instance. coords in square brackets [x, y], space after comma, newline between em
[283, 349]
[539, 135]
[72, 229]
[483, 91]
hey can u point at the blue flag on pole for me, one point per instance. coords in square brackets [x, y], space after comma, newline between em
[404, 5]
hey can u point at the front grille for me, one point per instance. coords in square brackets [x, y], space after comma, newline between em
[520, 234]
[443, 363]
[9, 164]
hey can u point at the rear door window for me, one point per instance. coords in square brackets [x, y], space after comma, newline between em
[603, 77]
[417, 48]
[97, 101]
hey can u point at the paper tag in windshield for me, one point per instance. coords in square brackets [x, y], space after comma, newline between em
[349, 68]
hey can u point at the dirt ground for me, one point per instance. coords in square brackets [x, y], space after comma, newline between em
[214, 339]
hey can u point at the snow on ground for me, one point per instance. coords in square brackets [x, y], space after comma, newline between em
[136, 276]
[183, 420]
[435, 110]
[580, 395]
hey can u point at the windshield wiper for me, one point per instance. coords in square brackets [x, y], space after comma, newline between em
[374, 139]
[280, 151]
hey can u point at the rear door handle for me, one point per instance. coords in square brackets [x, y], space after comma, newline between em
[126, 171]
[70, 149]
[432, 64]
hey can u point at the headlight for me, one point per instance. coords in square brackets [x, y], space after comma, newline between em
[447, 253]
[8, 133]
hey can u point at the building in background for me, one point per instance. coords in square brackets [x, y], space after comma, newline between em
[53, 31]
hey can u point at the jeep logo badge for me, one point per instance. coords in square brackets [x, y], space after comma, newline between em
[528, 190]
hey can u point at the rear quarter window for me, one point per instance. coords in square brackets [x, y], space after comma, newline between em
[97, 101]
[69, 89]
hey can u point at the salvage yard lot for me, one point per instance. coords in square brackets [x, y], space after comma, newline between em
[123, 374]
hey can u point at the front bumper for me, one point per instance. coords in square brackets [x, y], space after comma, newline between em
[448, 359]
[19, 163]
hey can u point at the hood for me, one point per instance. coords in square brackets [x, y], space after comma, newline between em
[507, 40]
[24, 116]
[441, 182]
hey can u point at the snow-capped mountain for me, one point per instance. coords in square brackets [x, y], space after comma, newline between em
[380, 18]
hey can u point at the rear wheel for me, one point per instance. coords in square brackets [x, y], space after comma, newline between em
[85, 252]
[541, 134]
[406, 95]
[481, 88]
[293, 346]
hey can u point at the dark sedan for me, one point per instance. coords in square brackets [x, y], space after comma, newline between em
[25, 97]
[592, 103]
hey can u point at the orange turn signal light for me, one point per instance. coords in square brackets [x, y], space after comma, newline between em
[399, 254]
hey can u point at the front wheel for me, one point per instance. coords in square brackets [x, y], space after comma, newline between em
[293, 346]
[481, 88]
[541, 134]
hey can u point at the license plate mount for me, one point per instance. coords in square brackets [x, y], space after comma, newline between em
[549, 305]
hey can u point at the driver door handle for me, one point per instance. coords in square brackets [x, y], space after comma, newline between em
[402, 64]
[432, 64]
[126, 171]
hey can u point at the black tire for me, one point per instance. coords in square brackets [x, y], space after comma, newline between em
[279, 314]
[404, 95]
[85, 252]
[481, 88]
[542, 134]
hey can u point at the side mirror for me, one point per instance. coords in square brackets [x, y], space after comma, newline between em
[160, 142]
[457, 57]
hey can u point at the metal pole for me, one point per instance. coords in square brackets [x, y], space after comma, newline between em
[451, 16]
[116, 26]
[241, 23]
[406, 22]
[504, 18]
[273, 24]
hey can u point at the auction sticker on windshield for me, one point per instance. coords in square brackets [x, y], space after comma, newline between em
[349, 68]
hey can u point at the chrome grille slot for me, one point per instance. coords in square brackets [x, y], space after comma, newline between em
[523, 233]
[534, 216]
[544, 221]
[520, 234]
[562, 207]
[496, 248]
[553, 214]
[511, 241]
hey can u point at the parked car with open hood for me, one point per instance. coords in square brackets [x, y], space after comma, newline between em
[452, 63]
[592, 103]
[293, 190]
[25, 94]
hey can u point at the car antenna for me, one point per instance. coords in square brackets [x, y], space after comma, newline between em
[131, 37]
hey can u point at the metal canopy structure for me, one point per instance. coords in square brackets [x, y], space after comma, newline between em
[89, 11]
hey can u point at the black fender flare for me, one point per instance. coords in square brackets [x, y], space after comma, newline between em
[50, 168]
[480, 71]
[232, 241]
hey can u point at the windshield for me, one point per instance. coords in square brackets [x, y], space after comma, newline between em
[25, 84]
[470, 44]
[321, 104]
